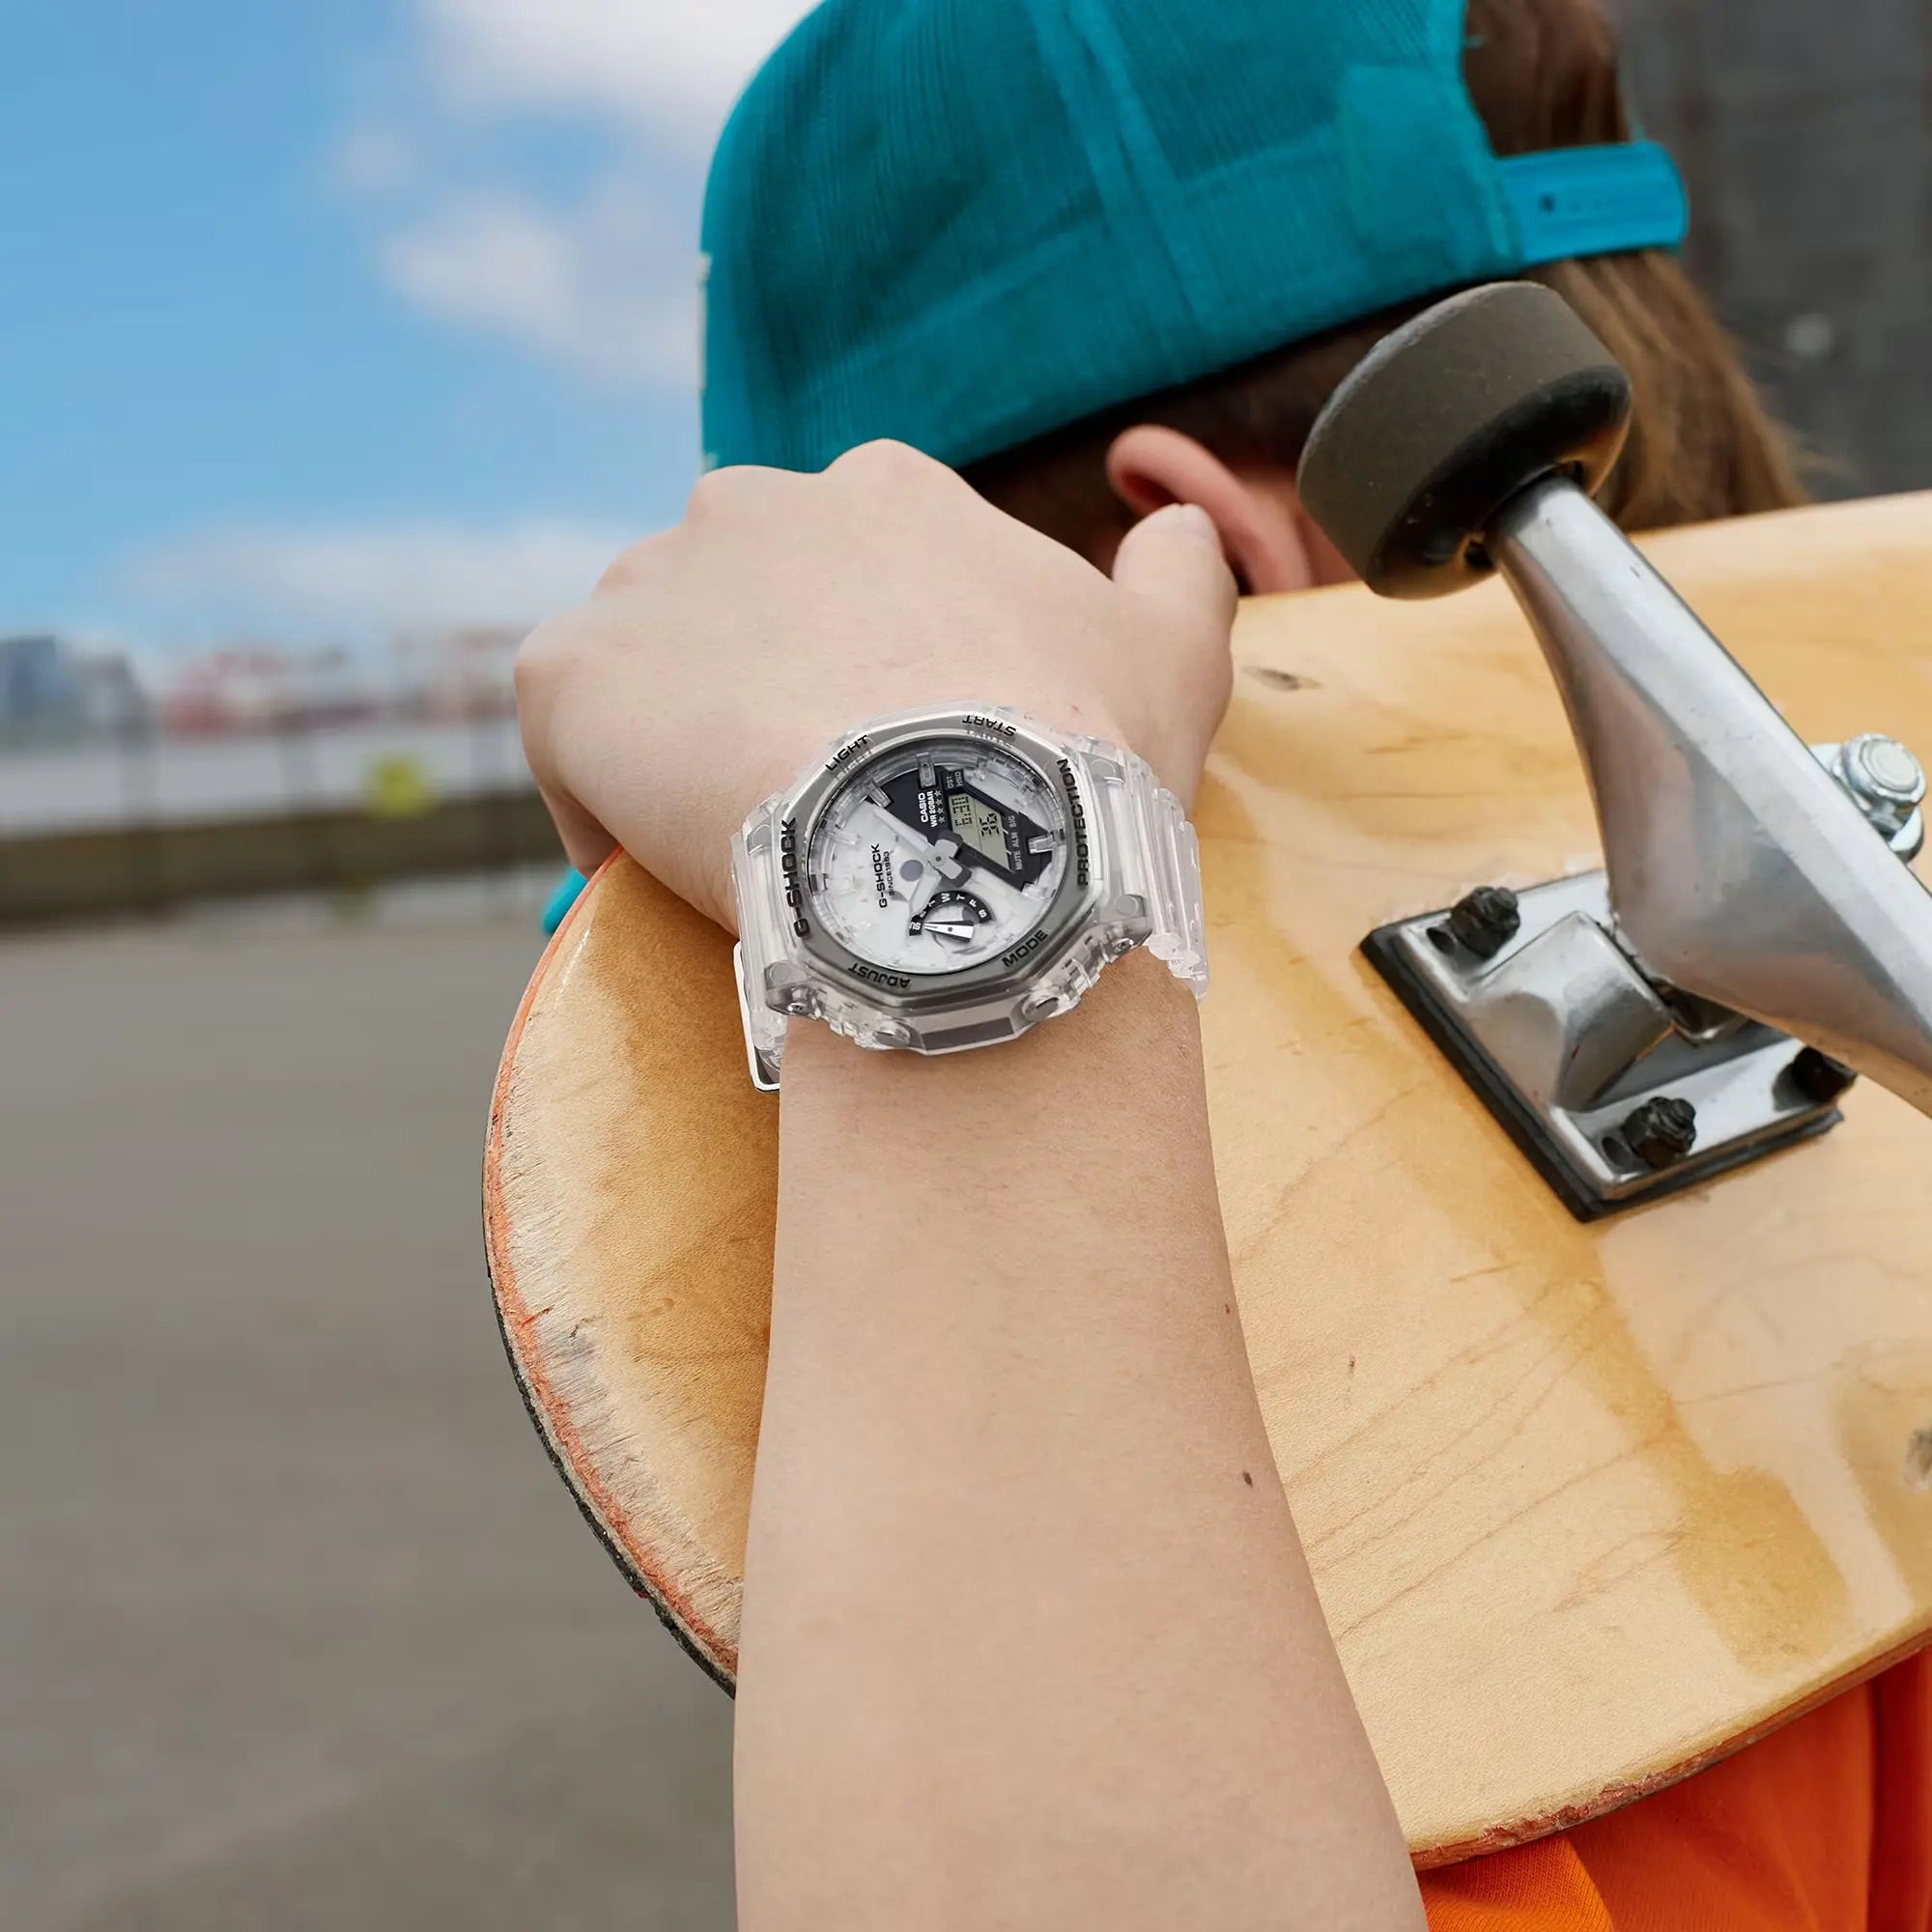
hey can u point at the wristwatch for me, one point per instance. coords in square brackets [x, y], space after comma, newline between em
[951, 878]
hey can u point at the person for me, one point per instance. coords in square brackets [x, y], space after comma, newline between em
[1007, 1408]
[1020, 276]
[1106, 265]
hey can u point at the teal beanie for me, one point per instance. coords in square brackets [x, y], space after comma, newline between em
[963, 224]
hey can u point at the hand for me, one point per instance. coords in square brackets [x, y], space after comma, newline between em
[714, 659]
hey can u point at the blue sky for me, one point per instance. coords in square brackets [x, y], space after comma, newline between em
[323, 318]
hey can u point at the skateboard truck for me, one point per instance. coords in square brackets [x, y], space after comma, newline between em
[1754, 940]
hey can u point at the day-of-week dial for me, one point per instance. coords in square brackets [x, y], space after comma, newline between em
[952, 916]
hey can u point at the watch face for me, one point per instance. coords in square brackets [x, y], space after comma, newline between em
[937, 856]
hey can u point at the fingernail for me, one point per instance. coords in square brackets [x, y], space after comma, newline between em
[1193, 518]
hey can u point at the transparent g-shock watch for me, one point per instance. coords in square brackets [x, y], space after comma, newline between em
[951, 878]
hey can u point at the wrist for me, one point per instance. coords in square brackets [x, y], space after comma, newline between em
[1138, 1023]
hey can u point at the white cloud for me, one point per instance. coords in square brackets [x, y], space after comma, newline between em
[671, 66]
[602, 279]
[372, 161]
[365, 585]
[610, 286]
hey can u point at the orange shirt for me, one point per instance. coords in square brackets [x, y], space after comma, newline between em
[1826, 1825]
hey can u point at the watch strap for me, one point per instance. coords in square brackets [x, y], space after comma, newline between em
[1157, 857]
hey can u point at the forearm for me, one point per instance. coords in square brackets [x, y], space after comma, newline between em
[1028, 1635]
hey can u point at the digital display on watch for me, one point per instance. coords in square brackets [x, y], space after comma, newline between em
[984, 827]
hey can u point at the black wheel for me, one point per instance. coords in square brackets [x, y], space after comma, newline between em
[1446, 420]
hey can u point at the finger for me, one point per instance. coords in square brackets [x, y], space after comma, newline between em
[1174, 560]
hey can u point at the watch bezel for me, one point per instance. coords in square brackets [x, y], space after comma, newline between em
[1060, 926]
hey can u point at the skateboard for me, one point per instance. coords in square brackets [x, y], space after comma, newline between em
[1595, 1489]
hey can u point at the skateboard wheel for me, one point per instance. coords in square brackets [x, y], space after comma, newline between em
[1447, 419]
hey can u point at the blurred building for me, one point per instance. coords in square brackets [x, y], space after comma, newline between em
[250, 689]
[337, 687]
[242, 688]
[460, 676]
[52, 689]
[41, 691]
[1805, 133]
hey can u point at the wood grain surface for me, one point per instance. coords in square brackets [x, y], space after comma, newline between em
[1587, 1506]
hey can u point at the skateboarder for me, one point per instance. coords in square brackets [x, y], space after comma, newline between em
[1105, 260]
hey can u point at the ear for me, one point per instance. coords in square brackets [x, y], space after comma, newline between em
[1262, 527]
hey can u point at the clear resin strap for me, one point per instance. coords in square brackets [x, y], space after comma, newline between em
[1155, 860]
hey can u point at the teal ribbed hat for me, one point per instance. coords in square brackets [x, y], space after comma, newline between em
[963, 223]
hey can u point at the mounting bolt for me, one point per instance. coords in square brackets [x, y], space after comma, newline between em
[1487, 921]
[1660, 1133]
[1881, 771]
[1886, 784]
[1819, 1077]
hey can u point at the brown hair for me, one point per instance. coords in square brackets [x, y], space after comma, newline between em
[1542, 74]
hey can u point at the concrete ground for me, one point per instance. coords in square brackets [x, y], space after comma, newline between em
[298, 1628]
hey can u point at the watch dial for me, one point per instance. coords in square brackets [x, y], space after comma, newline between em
[937, 857]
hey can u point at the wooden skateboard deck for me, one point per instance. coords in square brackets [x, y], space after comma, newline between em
[1587, 1506]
